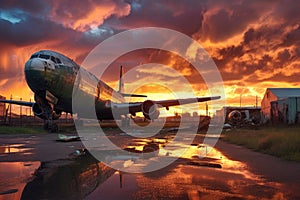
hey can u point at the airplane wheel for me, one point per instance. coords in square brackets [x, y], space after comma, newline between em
[54, 128]
[46, 126]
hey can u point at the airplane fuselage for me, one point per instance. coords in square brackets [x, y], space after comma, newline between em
[51, 76]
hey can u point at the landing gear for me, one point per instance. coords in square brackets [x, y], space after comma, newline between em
[45, 110]
[51, 127]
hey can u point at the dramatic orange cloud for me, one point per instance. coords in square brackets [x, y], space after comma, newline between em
[255, 44]
[73, 15]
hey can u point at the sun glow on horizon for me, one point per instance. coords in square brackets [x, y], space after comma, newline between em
[254, 44]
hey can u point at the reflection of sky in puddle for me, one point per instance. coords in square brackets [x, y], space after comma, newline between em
[193, 182]
[15, 148]
[176, 149]
[179, 181]
[14, 177]
[233, 180]
[198, 153]
[189, 182]
[118, 186]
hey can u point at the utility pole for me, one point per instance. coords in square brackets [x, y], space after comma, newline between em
[4, 108]
[10, 111]
[21, 113]
[256, 101]
[240, 100]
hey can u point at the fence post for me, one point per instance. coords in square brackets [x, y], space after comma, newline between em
[10, 111]
[30, 108]
[20, 113]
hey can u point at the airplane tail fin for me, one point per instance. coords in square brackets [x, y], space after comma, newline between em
[121, 82]
[121, 86]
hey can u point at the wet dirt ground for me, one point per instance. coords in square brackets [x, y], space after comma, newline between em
[39, 167]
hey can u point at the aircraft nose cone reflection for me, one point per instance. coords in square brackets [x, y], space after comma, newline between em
[35, 75]
[35, 64]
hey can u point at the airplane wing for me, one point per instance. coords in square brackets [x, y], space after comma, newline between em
[176, 102]
[21, 103]
[146, 105]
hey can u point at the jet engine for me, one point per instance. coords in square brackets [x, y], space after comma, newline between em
[41, 112]
[38, 111]
[150, 110]
[235, 117]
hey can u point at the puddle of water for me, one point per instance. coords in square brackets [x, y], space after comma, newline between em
[186, 181]
[86, 177]
[234, 177]
[67, 179]
[14, 177]
[14, 148]
[174, 150]
[118, 186]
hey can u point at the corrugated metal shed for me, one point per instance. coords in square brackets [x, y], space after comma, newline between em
[285, 92]
[293, 110]
[281, 105]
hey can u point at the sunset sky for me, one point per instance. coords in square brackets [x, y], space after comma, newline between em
[255, 44]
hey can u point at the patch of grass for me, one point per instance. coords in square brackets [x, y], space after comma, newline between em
[281, 142]
[20, 130]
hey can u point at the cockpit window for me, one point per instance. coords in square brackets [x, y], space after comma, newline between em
[47, 57]
[53, 59]
[58, 61]
[44, 56]
[34, 56]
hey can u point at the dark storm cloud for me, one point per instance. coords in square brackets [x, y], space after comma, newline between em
[71, 9]
[40, 21]
[183, 16]
[269, 47]
[225, 19]
[32, 30]
[30, 6]
[293, 37]
[286, 11]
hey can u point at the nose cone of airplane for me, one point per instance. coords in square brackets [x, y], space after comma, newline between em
[35, 74]
[35, 64]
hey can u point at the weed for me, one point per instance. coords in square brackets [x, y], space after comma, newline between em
[283, 142]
